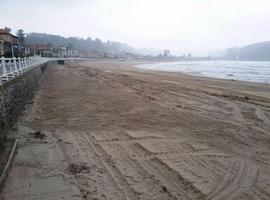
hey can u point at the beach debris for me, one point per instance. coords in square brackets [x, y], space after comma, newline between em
[78, 168]
[30, 102]
[151, 98]
[39, 135]
[59, 141]
[164, 188]
[84, 193]
[232, 97]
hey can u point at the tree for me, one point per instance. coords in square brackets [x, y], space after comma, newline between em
[70, 46]
[80, 44]
[21, 42]
[49, 45]
[21, 35]
[7, 29]
[98, 45]
[166, 53]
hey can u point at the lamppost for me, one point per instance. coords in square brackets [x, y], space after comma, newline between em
[12, 51]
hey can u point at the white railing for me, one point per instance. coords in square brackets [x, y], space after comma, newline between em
[11, 67]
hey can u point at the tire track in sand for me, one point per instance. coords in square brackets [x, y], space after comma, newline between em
[110, 167]
[240, 178]
[175, 182]
[136, 175]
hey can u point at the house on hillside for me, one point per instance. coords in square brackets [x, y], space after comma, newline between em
[44, 50]
[33, 48]
[59, 52]
[71, 51]
[50, 51]
[8, 44]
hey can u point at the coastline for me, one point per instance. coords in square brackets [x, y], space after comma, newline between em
[131, 66]
[248, 71]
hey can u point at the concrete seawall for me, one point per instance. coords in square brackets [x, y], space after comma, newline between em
[14, 94]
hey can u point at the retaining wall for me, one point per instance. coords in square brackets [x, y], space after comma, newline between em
[14, 94]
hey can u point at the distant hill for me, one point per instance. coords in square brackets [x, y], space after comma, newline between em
[79, 43]
[258, 52]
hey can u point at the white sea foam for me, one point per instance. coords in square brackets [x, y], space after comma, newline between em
[238, 70]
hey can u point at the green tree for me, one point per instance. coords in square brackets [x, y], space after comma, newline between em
[70, 46]
[21, 43]
[21, 35]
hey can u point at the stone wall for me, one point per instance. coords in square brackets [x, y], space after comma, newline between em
[14, 94]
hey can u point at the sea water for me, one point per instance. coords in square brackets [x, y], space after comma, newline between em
[234, 70]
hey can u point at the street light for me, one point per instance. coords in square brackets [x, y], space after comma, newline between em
[12, 51]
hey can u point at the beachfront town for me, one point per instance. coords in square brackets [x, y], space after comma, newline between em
[15, 46]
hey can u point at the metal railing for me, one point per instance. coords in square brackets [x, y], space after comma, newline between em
[12, 67]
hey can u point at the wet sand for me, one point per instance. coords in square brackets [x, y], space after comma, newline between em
[107, 130]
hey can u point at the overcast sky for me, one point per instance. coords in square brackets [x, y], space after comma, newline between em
[180, 25]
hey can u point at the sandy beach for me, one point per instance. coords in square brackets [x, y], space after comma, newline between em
[108, 130]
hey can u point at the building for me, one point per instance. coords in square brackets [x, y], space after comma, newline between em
[59, 52]
[8, 44]
[50, 51]
[2, 48]
[72, 53]
[43, 50]
[27, 51]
